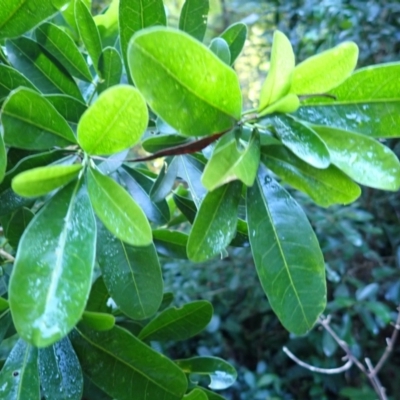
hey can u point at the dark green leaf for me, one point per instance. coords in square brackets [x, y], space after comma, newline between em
[289, 261]
[10, 202]
[60, 372]
[221, 49]
[193, 19]
[165, 181]
[61, 45]
[185, 204]
[98, 321]
[182, 89]
[168, 298]
[69, 107]
[126, 368]
[117, 210]
[211, 395]
[235, 35]
[19, 378]
[3, 159]
[110, 68]
[215, 223]
[161, 142]
[196, 394]
[132, 275]
[17, 225]
[178, 323]
[52, 274]
[47, 74]
[170, 243]
[98, 297]
[5, 323]
[11, 79]
[3, 304]
[93, 392]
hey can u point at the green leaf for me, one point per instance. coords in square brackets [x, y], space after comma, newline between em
[117, 210]
[46, 73]
[110, 68]
[19, 378]
[5, 323]
[302, 140]
[61, 45]
[287, 104]
[126, 368]
[215, 223]
[193, 18]
[3, 158]
[161, 142]
[235, 35]
[11, 79]
[221, 49]
[68, 14]
[10, 202]
[107, 24]
[221, 373]
[170, 243]
[17, 225]
[196, 394]
[88, 32]
[193, 91]
[16, 18]
[364, 159]
[98, 297]
[325, 186]
[165, 180]
[98, 321]
[115, 122]
[132, 275]
[52, 274]
[211, 395]
[69, 107]
[42, 180]
[136, 15]
[3, 305]
[178, 323]
[324, 71]
[279, 79]
[40, 130]
[60, 372]
[185, 204]
[289, 261]
[228, 162]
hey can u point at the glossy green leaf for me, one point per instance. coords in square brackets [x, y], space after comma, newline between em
[60, 372]
[16, 18]
[11, 79]
[289, 261]
[61, 45]
[136, 15]
[325, 186]
[17, 225]
[117, 210]
[185, 204]
[68, 14]
[279, 79]
[193, 18]
[3, 158]
[170, 243]
[221, 49]
[196, 394]
[215, 223]
[132, 275]
[46, 73]
[98, 298]
[364, 159]
[178, 323]
[235, 35]
[230, 162]
[302, 141]
[10, 202]
[19, 377]
[40, 130]
[98, 321]
[184, 82]
[126, 368]
[221, 373]
[110, 67]
[165, 180]
[115, 122]
[287, 104]
[3, 304]
[88, 32]
[42, 180]
[52, 274]
[160, 142]
[326, 70]
[69, 107]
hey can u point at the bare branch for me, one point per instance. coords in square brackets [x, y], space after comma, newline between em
[6, 255]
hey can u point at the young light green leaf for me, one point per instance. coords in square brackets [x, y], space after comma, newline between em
[129, 368]
[52, 274]
[324, 71]
[42, 180]
[289, 261]
[325, 186]
[16, 18]
[46, 73]
[40, 130]
[235, 35]
[61, 45]
[178, 323]
[170, 243]
[301, 140]
[279, 79]
[193, 18]
[117, 210]
[114, 122]
[88, 32]
[184, 82]
[132, 275]
[98, 321]
[60, 372]
[221, 373]
[110, 67]
[363, 159]
[287, 104]
[221, 49]
[215, 223]
[3, 158]
[19, 378]
[229, 163]
[17, 225]
[11, 79]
